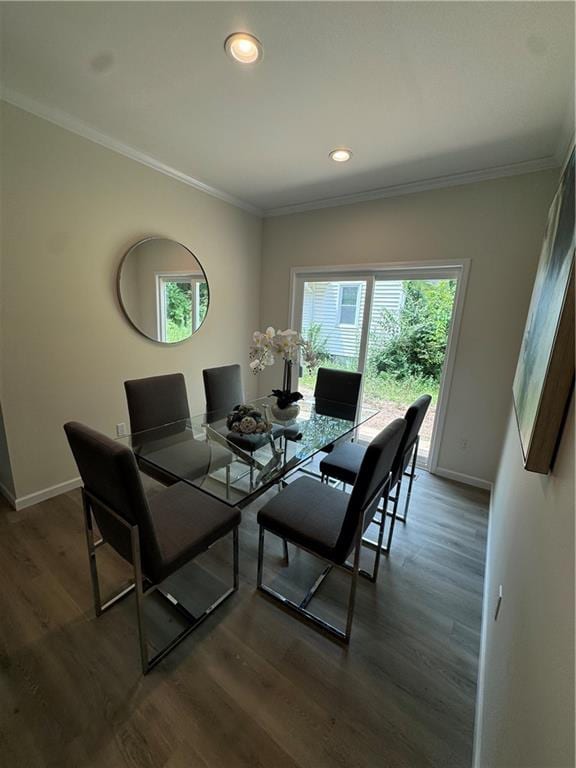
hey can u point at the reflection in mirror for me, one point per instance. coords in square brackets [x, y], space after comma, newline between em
[163, 290]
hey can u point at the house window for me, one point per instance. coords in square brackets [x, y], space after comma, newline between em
[182, 304]
[349, 304]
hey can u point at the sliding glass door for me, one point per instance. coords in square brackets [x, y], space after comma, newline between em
[393, 326]
[332, 318]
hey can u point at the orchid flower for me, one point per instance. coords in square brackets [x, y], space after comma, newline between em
[287, 344]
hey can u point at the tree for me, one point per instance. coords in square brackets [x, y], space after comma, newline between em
[178, 310]
[414, 341]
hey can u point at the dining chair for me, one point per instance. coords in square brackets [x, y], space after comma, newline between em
[343, 464]
[158, 408]
[329, 523]
[337, 392]
[156, 400]
[156, 536]
[224, 391]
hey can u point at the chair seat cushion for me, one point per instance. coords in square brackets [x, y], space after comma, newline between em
[186, 521]
[294, 432]
[277, 431]
[343, 463]
[308, 513]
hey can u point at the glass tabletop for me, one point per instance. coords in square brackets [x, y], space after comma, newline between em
[235, 466]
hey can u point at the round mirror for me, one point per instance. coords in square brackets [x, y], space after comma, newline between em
[163, 290]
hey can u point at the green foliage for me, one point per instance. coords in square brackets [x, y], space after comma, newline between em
[381, 387]
[204, 298]
[406, 350]
[318, 342]
[178, 311]
[412, 344]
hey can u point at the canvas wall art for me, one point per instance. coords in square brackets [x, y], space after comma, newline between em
[545, 373]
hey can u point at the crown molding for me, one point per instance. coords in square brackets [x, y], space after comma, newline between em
[425, 185]
[69, 123]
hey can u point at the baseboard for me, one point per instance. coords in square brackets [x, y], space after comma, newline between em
[460, 477]
[22, 502]
[8, 495]
[479, 714]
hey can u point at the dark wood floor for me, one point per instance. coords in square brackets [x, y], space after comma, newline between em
[253, 686]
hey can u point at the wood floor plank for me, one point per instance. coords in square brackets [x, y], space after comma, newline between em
[252, 686]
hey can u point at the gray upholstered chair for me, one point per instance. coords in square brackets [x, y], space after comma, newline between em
[330, 524]
[156, 401]
[344, 462]
[224, 391]
[156, 536]
[336, 393]
[159, 414]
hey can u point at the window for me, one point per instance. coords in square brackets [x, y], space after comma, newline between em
[182, 305]
[348, 305]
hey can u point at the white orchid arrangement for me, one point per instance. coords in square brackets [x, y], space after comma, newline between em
[288, 345]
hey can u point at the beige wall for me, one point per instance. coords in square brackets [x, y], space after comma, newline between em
[70, 209]
[526, 689]
[497, 224]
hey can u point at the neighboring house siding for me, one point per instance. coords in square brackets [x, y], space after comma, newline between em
[322, 306]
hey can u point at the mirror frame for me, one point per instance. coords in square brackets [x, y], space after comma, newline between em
[123, 306]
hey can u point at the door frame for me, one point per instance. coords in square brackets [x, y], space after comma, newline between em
[457, 269]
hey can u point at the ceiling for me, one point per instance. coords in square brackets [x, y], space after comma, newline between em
[419, 91]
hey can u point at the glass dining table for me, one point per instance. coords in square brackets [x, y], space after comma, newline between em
[237, 468]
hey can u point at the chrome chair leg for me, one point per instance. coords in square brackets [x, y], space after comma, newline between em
[381, 522]
[315, 587]
[235, 557]
[412, 475]
[193, 621]
[388, 546]
[138, 586]
[300, 609]
[379, 548]
[227, 482]
[352, 596]
[260, 556]
[89, 532]
[135, 544]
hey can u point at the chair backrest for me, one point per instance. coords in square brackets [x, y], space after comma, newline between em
[414, 417]
[109, 473]
[223, 389]
[337, 393]
[370, 483]
[156, 401]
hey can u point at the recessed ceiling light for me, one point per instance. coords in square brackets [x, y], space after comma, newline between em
[243, 47]
[341, 155]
